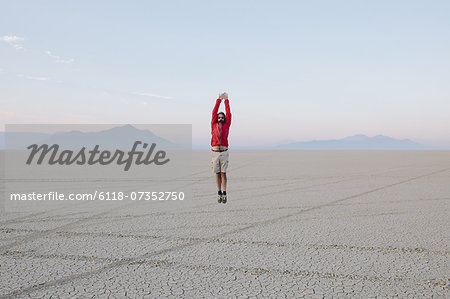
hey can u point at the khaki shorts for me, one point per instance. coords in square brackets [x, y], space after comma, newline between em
[219, 161]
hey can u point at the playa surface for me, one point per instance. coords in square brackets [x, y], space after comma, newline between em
[313, 224]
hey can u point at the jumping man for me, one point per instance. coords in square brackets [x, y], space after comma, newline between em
[220, 124]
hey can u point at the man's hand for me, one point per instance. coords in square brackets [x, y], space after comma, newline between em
[223, 96]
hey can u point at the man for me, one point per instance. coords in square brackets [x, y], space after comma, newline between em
[220, 124]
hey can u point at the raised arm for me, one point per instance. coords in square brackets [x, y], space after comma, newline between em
[228, 111]
[215, 110]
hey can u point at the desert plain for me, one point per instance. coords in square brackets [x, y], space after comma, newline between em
[298, 224]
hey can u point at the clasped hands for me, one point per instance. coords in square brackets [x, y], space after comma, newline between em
[223, 96]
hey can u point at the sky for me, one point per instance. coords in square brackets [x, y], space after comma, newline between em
[294, 70]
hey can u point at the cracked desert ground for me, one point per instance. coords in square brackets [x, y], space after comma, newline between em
[298, 224]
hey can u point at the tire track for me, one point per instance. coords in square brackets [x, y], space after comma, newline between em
[315, 246]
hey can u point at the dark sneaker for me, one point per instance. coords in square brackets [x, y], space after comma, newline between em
[224, 198]
[219, 198]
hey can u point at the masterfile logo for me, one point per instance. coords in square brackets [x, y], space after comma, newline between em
[95, 156]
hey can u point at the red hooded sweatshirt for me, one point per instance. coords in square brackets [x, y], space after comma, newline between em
[219, 131]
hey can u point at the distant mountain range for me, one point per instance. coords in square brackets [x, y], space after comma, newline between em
[357, 142]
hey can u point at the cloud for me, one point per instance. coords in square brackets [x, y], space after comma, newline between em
[152, 95]
[11, 38]
[133, 101]
[13, 41]
[58, 59]
[33, 77]
[7, 115]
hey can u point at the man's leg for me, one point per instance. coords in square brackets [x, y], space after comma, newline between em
[219, 192]
[224, 187]
[218, 180]
[224, 181]
[223, 174]
[216, 169]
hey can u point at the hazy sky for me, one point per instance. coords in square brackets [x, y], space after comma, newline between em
[296, 70]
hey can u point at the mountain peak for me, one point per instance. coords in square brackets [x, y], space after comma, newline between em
[123, 128]
[356, 142]
[356, 137]
[127, 126]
